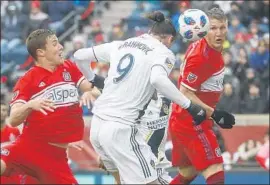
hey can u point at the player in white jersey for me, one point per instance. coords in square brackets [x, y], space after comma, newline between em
[154, 128]
[138, 67]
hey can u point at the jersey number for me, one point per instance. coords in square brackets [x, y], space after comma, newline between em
[123, 71]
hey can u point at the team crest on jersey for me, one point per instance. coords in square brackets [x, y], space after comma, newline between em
[166, 109]
[15, 95]
[168, 63]
[4, 151]
[152, 162]
[191, 78]
[66, 76]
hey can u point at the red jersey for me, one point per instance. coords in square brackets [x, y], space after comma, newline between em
[202, 72]
[63, 125]
[9, 133]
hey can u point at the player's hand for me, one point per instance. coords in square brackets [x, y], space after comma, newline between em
[198, 113]
[86, 99]
[223, 119]
[79, 145]
[42, 105]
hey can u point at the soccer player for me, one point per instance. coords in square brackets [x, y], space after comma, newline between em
[138, 67]
[46, 100]
[154, 128]
[195, 147]
[8, 134]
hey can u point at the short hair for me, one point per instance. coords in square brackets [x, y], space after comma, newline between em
[37, 40]
[216, 13]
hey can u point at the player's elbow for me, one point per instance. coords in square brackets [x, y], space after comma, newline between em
[13, 121]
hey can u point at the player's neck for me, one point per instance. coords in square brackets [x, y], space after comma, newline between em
[46, 65]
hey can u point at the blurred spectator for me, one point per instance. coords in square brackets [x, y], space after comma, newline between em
[253, 102]
[13, 28]
[252, 36]
[117, 33]
[203, 5]
[57, 10]
[241, 65]
[38, 19]
[229, 100]
[235, 27]
[239, 43]
[96, 33]
[251, 77]
[231, 79]
[259, 60]
[78, 42]
[235, 11]
[182, 6]
[247, 151]
[224, 5]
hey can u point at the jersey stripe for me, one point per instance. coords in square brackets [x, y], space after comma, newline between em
[138, 153]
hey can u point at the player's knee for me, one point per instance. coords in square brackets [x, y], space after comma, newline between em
[3, 167]
[212, 169]
[188, 171]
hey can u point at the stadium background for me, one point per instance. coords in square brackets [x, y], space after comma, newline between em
[80, 23]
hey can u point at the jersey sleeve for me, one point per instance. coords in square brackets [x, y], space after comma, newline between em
[102, 52]
[194, 72]
[21, 91]
[165, 60]
[76, 74]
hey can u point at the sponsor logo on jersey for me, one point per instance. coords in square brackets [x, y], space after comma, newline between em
[4, 151]
[60, 94]
[191, 78]
[66, 76]
[157, 123]
[168, 63]
[218, 152]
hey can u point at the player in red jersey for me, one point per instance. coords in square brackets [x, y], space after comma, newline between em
[46, 99]
[8, 134]
[195, 147]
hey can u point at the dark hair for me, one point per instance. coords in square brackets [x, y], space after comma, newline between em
[37, 40]
[162, 25]
[216, 13]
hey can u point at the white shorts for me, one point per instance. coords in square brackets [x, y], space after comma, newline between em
[121, 147]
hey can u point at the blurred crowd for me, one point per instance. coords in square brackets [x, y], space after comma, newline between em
[246, 50]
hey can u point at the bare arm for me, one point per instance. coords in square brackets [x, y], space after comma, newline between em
[18, 113]
[192, 96]
[85, 86]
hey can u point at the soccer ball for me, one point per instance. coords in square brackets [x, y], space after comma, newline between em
[193, 24]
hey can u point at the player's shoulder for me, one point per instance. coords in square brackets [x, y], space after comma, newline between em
[27, 78]
[197, 49]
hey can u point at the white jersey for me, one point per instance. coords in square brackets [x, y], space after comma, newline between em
[128, 90]
[154, 127]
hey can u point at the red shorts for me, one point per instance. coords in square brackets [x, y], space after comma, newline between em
[47, 163]
[194, 145]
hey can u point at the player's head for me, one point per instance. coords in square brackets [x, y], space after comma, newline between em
[43, 45]
[162, 28]
[218, 28]
[4, 112]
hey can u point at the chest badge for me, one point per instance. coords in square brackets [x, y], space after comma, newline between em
[66, 76]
